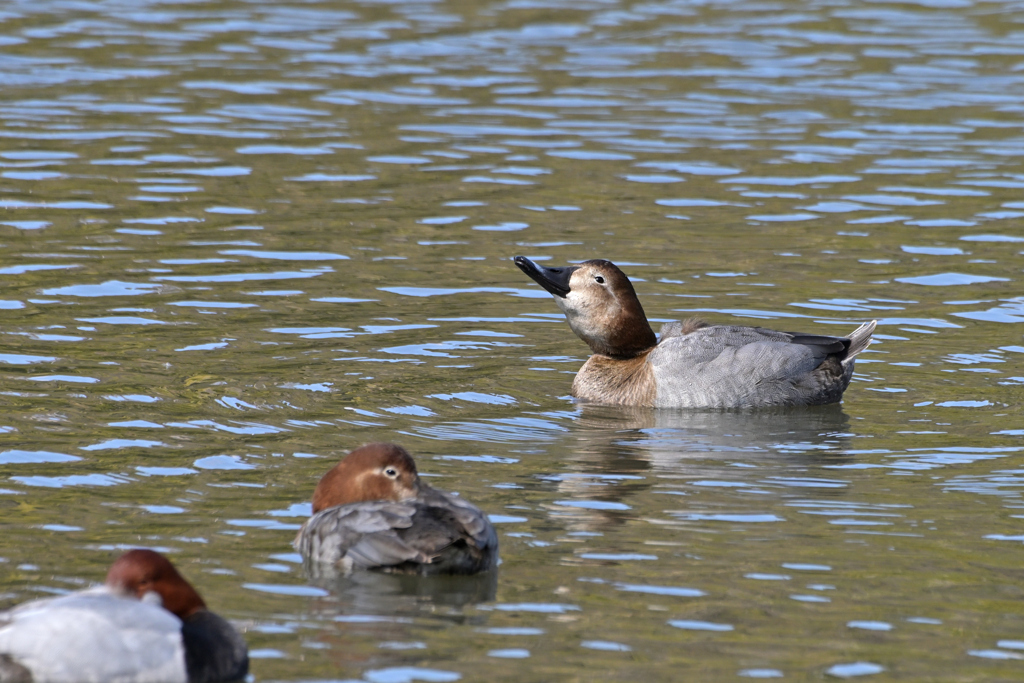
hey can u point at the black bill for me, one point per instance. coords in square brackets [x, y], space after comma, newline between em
[555, 280]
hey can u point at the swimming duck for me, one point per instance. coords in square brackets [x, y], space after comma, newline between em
[693, 365]
[146, 624]
[371, 511]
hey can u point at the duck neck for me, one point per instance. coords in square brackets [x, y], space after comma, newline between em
[617, 381]
[638, 344]
[621, 336]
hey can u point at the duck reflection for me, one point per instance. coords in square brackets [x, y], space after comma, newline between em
[668, 438]
[399, 595]
[392, 610]
[615, 450]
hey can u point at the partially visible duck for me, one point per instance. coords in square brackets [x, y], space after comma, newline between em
[694, 365]
[146, 624]
[371, 511]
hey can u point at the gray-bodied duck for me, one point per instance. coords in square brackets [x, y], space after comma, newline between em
[694, 364]
[372, 511]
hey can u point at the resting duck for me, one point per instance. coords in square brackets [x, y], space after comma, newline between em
[371, 511]
[146, 624]
[694, 365]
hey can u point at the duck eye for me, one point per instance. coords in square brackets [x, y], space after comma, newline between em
[600, 280]
[391, 472]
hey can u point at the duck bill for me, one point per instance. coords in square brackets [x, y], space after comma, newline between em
[554, 280]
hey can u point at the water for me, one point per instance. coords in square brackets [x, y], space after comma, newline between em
[241, 238]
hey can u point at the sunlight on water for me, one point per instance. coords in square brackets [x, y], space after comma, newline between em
[242, 238]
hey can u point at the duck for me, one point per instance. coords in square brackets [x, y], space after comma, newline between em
[693, 364]
[145, 624]
[372, 511]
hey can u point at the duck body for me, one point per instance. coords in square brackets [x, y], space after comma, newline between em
[116, 634]
[693, 364]
[722, 366]
[436, 533]
[372, 512]
[93, 635]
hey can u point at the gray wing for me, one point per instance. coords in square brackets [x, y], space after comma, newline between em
[434, 533]
[359, 535]
[727, 366]
[475, 526]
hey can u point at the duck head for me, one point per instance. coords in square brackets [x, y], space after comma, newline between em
[600, 304]
[376, 471]
[142, 571]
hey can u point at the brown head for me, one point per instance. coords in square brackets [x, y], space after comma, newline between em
[600, 303]
[376, 471]
[140, 571]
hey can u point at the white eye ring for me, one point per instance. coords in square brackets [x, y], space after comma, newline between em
[391, 472]
[600, 280]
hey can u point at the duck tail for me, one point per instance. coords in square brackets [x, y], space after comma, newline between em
[859, 340]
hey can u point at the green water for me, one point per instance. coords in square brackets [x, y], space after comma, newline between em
[238, 239]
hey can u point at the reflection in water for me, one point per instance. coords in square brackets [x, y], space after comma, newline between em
[620, 454]
[402, 595]
[667, 438]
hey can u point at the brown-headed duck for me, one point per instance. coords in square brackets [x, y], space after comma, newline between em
[145, 624]
[693, 365]
[372, 511]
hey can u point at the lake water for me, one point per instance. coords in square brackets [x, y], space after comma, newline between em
[239, 238]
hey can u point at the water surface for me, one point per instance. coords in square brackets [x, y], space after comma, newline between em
[238, 239]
